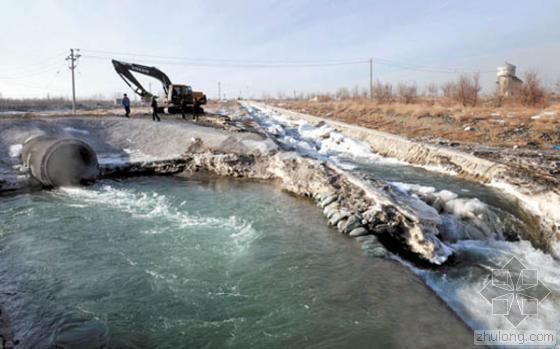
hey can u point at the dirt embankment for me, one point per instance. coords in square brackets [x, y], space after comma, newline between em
[508, 126]
[528, 138]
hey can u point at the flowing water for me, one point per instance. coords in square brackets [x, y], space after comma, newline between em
[180, 263]
[169, 262]
[478, 221]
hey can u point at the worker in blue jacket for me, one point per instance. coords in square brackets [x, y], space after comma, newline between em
[126, 105]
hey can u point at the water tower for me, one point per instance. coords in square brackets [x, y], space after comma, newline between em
[507, 81]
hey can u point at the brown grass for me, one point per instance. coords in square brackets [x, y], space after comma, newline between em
[509, 125]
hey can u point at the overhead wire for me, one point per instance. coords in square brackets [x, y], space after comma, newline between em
[224, 60]
[22, 69]
[237, 65]
[31, 73]
[240, 63]
[57, 74]
[430, 69]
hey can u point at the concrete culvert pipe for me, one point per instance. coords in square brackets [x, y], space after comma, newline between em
[59, 162]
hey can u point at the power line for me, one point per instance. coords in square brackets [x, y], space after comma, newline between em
[48, 85]
[417, 67]
[239, 65]
[48, 61]
[39, 88]
[224, 60]
[43, 70]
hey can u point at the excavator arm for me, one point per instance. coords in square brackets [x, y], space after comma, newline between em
[125, 70]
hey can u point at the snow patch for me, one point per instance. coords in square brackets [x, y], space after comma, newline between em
[543, 114]
[76, 130]
[15, 150]
[321, 141]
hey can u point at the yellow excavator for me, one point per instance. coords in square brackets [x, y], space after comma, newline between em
[178, 97]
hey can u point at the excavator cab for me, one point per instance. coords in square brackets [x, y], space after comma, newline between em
[179, 97]
[180, 92]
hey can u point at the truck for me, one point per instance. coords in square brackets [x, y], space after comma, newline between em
[178, 97]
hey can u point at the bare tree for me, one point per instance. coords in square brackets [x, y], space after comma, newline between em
[475, 88]
[342, 93]
[556, 87]
[364, 93]
[432, 90]
[467, 90]
[448, 89]
[531, 91]
[383, 92]
[407, 92]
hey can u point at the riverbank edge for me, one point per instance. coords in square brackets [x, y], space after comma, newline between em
[536, 193]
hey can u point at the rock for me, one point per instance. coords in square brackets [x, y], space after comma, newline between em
[350, 224]
[330, 210]
[372, 213]
[378, 251]
[372, 246]
[361, 231]
[382, 228]
[340, 225]
[328, 200]
[337, 216]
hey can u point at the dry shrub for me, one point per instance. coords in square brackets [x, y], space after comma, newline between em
[432, 90]
[464, 91]
[448, 89]
[383, 92]
[408, 93]
[531, 91]
[467, 90]
[342, 93]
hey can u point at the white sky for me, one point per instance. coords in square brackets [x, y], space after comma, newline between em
[466, 35]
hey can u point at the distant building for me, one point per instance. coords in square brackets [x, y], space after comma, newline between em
[507, 82]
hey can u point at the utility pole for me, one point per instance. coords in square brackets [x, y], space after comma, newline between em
[73, 58]
[219, 91]
[371, 78]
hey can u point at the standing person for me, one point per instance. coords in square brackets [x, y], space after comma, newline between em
[126, 105]
[196, 106]
[183, 106]
[154, 109]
